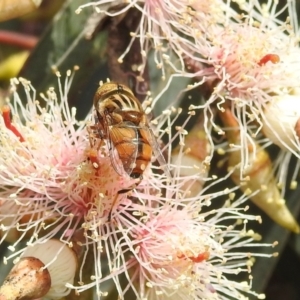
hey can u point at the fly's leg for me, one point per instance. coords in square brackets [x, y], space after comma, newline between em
[94, 134]
[120, 192]
[96, 141]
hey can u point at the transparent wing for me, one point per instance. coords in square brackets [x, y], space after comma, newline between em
[158, 155]
[123, 146]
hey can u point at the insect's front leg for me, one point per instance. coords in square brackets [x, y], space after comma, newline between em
[96, 141]
[93, 133]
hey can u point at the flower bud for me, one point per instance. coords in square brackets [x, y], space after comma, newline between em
[281, 122]
[61, 263]
[28, 279]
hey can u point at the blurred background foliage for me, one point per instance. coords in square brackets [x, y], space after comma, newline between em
[54, 37]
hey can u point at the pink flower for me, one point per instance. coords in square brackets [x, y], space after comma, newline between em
[174, 251]
[169, 28]
[49, 180]
[37, 162]
[251, 66]
[160, 240]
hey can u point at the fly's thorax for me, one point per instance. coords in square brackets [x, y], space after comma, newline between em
[115, 118]
[107, 107]
[117, 95]
[108, 89]
[134, 117]
[118, 108]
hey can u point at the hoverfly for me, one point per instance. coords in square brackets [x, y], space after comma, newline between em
[122, 123]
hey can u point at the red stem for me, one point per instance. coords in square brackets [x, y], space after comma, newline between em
[21, 40]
